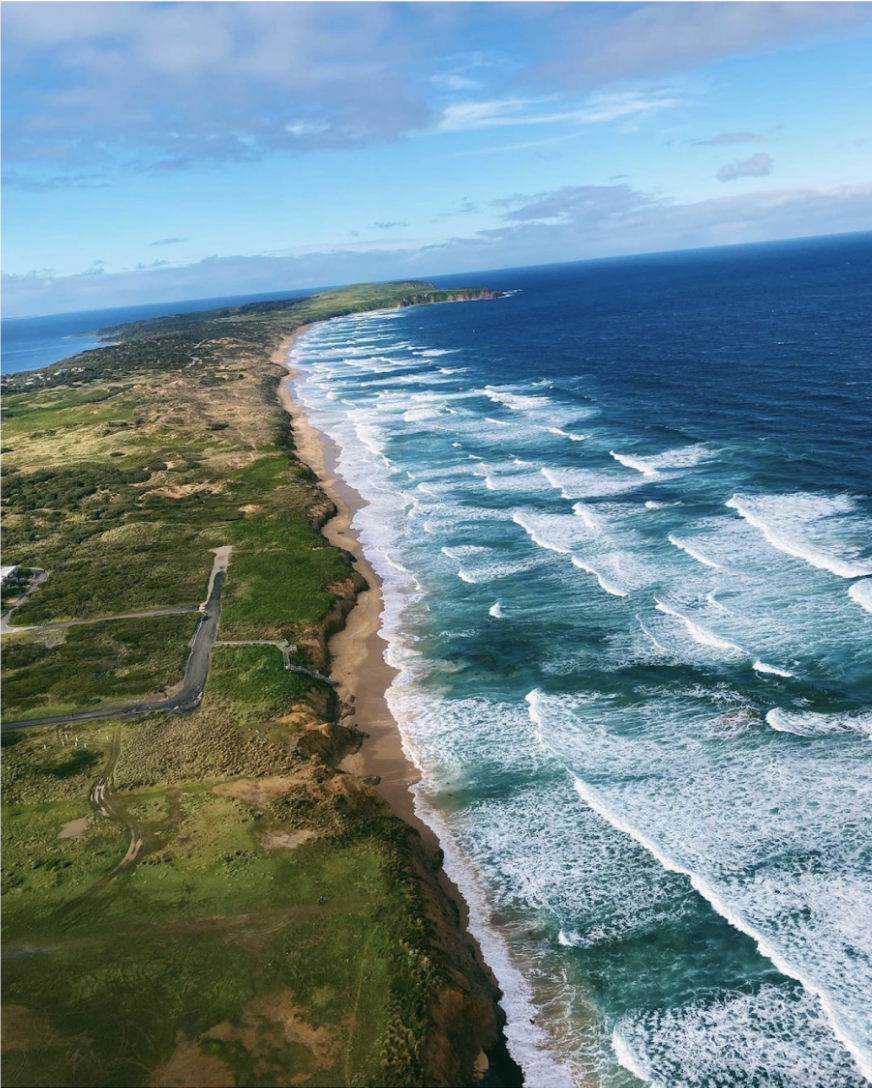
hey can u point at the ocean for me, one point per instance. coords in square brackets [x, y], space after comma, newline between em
[29, 343]
[623, 521]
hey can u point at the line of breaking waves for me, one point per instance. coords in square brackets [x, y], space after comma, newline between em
[384, 524]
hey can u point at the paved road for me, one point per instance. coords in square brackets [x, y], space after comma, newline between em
[196, 669]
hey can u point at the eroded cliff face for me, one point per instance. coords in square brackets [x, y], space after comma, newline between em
[473, 295]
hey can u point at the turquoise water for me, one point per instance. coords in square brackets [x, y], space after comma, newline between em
[623, 523]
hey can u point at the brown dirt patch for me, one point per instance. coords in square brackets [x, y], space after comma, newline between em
[243, 459]
[188, 1068]
[275, 1019]
[286, 840]
[24, 1029]
[180, 491]
[74, 828]
[256, 791]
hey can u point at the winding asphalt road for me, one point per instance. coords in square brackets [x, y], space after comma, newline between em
[196, 669]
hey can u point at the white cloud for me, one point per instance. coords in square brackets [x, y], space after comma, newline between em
[453, 81]
[757, 166]
[597, 109]
[728, 138]
[652, 40]
[170, 84]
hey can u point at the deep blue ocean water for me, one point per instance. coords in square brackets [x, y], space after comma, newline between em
[32, 342]
[624, 526]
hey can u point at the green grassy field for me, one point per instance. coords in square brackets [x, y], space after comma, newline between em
[255, 680]
[264, 929]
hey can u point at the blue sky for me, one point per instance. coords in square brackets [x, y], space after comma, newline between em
[185, 150]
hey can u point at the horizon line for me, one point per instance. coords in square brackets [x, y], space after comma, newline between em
[307, 291]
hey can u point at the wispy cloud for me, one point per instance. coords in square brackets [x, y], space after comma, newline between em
[389, 224]
[17, 180]
[727, 138]
[505, 112]
[645, 41]
[524, 145]
[454, 81]
[757, 166]
[168, 241]
[464, 207]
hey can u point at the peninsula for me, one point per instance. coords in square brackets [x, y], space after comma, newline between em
[194, 891]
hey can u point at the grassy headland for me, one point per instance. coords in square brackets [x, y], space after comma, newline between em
[203, 898]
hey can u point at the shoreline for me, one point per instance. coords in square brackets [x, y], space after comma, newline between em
[357, 662]
[362, 676]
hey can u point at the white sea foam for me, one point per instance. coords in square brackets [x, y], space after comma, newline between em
[809, 723]
[635, 463]
[668, 461]
[515, 402]
[580, 483]
[771, 837]
[496, 610]
[861, 592]
[692, 552]
[551, 478]
[547, 858]
[553, 532]
[772, 1036]
[478, 565]
[590, 519]
[651, 637]
[457, 554]
[513, 481]
[773, 670]
[787, 522]
[527, 1041]
[567, 434]
[697, 632]
[604, 584]
[683, 457]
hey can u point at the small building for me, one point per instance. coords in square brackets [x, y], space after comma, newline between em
[7, 574]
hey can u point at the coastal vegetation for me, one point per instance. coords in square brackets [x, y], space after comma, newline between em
[202, 898]
[58, 671]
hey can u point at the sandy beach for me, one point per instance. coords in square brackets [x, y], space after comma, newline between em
[357, 651]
